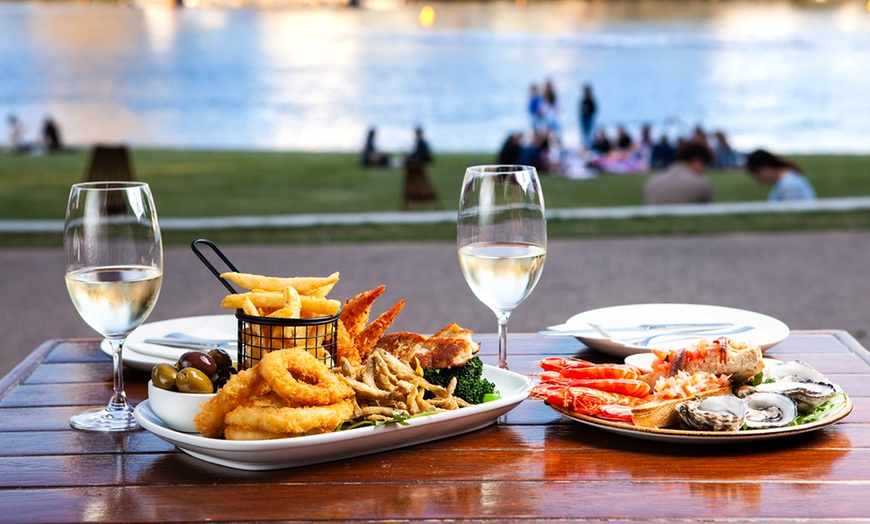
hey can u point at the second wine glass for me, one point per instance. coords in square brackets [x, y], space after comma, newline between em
[501, 238]
[114, 269]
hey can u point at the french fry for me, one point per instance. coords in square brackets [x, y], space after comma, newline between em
[249, 307]
[318, 307]
[282, 298]
[304, 285]
[321, 291]
[272, 301]
[292, 302]
[289, 332]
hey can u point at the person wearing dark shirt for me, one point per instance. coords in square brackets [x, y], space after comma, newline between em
[663, 154]
[51, 135]
[601, 144]
[370, 154]
[623, 139]
[587, 111]
[421, 154]
[511, 150]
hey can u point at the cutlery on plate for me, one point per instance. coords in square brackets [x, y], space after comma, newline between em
[191, 342]
[571, 330]
[687, 333]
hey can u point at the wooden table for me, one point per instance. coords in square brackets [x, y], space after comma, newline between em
[536, 466]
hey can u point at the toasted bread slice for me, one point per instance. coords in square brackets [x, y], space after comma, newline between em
[738, 360]
[663, 413]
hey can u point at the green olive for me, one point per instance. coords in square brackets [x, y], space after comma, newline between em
[163, 376]
[192, 380]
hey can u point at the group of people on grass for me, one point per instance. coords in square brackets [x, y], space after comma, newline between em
[49, 140]
[371, 156]
[622, 153]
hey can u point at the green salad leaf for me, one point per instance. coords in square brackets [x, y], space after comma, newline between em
[830, 406]
[399, 417]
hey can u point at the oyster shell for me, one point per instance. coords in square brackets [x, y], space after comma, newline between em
[796, 371]
[769, 410]
[808, 395]
[719, 413]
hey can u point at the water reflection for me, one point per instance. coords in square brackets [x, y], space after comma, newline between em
[777, 74]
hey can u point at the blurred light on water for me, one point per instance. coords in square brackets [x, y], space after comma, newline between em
[788, 76]
[427, 16]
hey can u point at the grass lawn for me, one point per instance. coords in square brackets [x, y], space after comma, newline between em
[223, 183]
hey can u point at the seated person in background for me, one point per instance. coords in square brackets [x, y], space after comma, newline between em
[601, 144]
[726, 157]
[16, 136]
[51, 135]
[370, 155]
[663, 154]
[623, 139]
[786, 176]
[511, 150]
[684, 181]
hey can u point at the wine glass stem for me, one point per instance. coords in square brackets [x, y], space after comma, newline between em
[502, 317]
[119, 397]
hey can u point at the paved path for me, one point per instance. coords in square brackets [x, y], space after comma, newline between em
[808, 280]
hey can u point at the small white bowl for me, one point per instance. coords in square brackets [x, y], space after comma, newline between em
[176, 409]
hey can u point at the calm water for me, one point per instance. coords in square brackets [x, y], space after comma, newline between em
[783, 75]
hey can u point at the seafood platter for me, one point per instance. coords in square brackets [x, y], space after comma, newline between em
[712, 391]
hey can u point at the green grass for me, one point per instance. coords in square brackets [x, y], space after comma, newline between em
[225, 183]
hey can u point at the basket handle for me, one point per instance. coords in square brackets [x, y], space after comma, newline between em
[195, 247]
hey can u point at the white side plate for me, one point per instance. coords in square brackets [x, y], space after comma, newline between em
[142, 356]
[766, 331]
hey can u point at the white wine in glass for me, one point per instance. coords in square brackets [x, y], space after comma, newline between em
[114, 269]
[501, 238]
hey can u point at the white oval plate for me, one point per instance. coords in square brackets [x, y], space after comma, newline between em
[766, 331]
[143, 356]
[314, 449]
[704, 437]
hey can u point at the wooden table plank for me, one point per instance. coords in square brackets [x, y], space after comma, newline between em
[438, 499]
[133, 467]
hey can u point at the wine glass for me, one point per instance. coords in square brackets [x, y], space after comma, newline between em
[114, 268]
[502, 238]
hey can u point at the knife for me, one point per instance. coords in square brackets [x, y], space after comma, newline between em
[191, 343]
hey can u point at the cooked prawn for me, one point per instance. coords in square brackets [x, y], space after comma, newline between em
[559, 363]
[612, 371]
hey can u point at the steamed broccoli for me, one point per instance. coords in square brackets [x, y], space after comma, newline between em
[470, 386]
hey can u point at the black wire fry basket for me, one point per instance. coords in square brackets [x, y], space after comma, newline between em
[258, 335]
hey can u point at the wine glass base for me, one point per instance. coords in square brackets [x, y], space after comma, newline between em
[105, 420]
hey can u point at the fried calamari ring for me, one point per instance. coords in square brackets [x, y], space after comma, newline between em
[274, 420]
[298, 376]
[243, 433]
[241, 387]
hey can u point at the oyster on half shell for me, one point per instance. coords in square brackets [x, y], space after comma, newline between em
[794, 370]
[769, 410]
[808, 395]
[719, 413]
